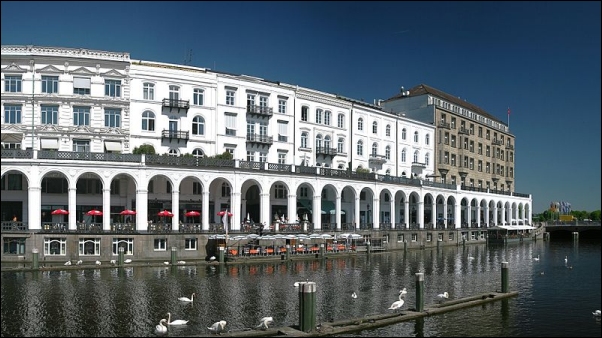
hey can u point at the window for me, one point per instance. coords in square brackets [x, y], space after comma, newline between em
[416, 137]
[197, 96]
[148, 91]
[12, 83]
[148, 121]
[480, 166]
[374, 149]
[416, 155]
[190, 244]
[319, 141]
[480, 149]
[427, 139]
[89, 246]
[250, 156]
[341, 145]
[327, 116]
[374, 127]
[341, 121]
[13, 246]
[360, 148]
[174, 93]
[304, 137]
[400, 238]
[82, 146]
[226, 190]
[282, 106]
[281, 158]
[12, 113]
[112, 118]
[426, 158]
[173, 152]
[81, 85]
[403, 134]
[198, 125]
[198, 153]
[388, 130]
[414, 237]
[160, 244]
[126, 243]
[453, 160]
[304, 113]
[263, 103]
[388, 152]
[230, 124]
[282, 131]
[81, 116]
[403, 155]
[360, 124]
[250, 101]
[113, 88]
[50, 84]
[327, 142]
[230, 95]
[319, 115]
[55, 246]
[49, 114]
[453, 140]
[280, 191]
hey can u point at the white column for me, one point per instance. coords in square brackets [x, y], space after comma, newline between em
[292, 209]
[265, 211]
[445, 214]
[356, 212]
[175, 210]
[495, 214]
[468, 215]
[392, 213]
[503, 214]
[72, 208]
[142, 210]
[457, 214]
[106, 209]
[34, 205]
[317, 215]
[486, 213]
[420, 215]
[236, 211]
[376, 213]
[406, 213]
[434, 213]
[478, 215]
[338, 212]
[205, 210]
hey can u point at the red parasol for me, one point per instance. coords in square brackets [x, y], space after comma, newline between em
[94, 212]
[165, 213]
[60, 212]
[222, 213]
[128, 212]
[192, 213]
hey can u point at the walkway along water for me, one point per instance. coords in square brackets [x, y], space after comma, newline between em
[308, 328]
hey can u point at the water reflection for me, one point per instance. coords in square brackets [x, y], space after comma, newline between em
[131, 301]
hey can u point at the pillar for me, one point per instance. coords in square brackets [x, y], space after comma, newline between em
[307, 306]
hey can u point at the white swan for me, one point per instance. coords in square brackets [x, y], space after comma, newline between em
[113, 262]
[596, 313]
[166, 263]
[217, 327]
[470, 257]
[397, 304]
[566, 259]
[295, 285]
[403, 292]
[264, 322]
[175, 322]
[160, 328]
[127, 261]
[186, 299]
[98, 263]
[67, 263]
[536, 258]
[212, 258]
[354, 295]
[443, 296]
[79, 262]
[181, 262]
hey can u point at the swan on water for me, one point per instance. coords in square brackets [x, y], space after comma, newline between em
[354, 295]
[181, 262]
[98, 263]
[127, 260]
[264, 322]
[217, 327]
[566, 259]
[397, 304]
[596, 313]
[68, 263]
[443, 296]
[536, 258]
[186, 299]
[79, 262]
[166, 263]
[160, 328]
[175, 322]
[403, 292]
[113, 262]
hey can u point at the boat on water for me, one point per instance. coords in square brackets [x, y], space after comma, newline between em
[509, 233]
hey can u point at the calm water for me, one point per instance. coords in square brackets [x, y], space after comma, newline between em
[129, 302]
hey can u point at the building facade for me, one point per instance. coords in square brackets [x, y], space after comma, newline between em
[74, 119]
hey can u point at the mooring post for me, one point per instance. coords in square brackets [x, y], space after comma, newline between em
[221, 254]
[405, 245]
[307, 306]
[575, 235]
[173, 255]
[120, 256]
[504, 277]
[35, 253]
[288, 251]
[322, 250]
[419, 291]
[368, 247]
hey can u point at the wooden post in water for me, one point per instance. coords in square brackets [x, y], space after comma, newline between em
[504, 277]
[307, 306]
[368, 247]
[575, 235]
[35, 263]
[221, 254]
[288, 251]
[173, 255]
[120, 256]
[419, 291]
[322, 250]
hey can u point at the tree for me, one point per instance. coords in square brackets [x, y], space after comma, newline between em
[361, 170]
[144, 149]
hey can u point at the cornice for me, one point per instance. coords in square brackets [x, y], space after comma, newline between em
[64, 52]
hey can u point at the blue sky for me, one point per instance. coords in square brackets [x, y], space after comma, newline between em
[541, 59]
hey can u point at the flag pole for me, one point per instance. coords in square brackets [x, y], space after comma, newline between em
[508, 118]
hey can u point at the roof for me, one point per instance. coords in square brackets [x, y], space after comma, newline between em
[423, 89]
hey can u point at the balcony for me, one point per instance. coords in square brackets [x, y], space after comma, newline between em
[497, 142]
[326, 151]
[463, 130]
[174, 104]
[444, 125]
[377, 159]
[260, 111]
[174, 135]
[259, 139]
[509, 146]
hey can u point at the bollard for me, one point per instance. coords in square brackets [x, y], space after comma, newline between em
[120, 256]
[173, 255]
[575, 235]
[419, 291]
[322, 250]
[288, 251]
[221, 254]
[504, 277]
[405, 245]
[368, 247]
[35, 253]
[307, 306]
